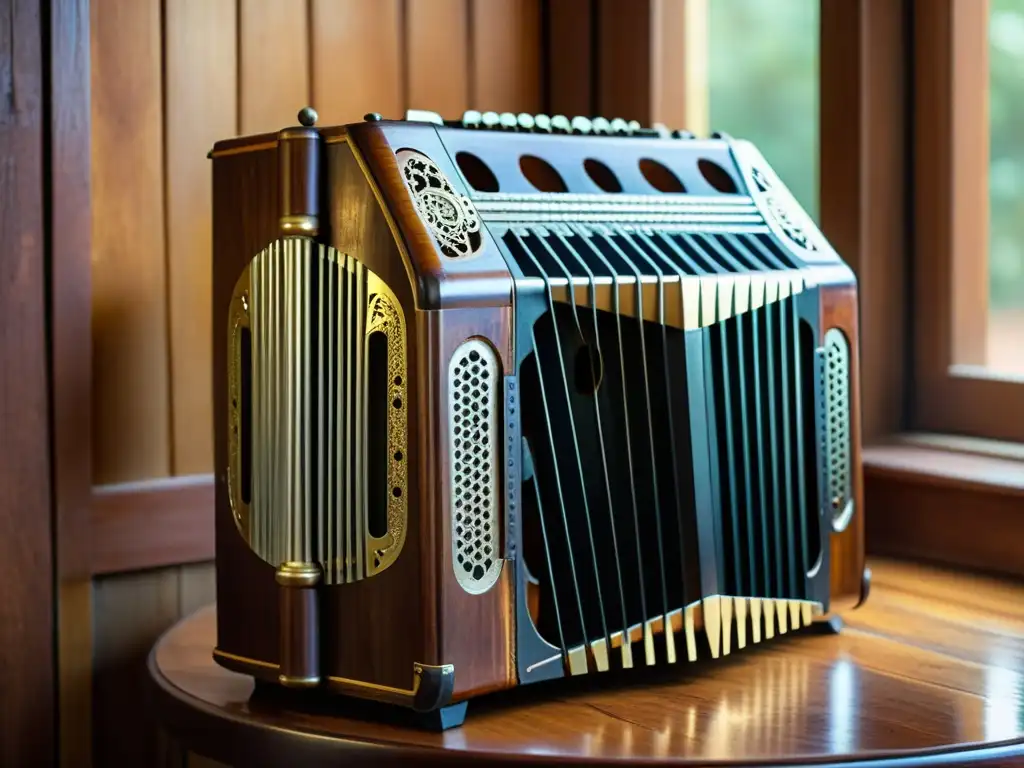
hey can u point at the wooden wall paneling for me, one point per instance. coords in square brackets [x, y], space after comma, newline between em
[505, 73]
[864, 116]
[154, 523]
[27, 717]
[131, 612]
[437, 56]
[625, 48]
[196, 587]
[273, 63]
[569, 71]
[651, 61]
[357, 59]
[200, 94]
[70, 287]
[131, 419]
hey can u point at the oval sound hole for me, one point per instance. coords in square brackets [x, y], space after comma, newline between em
[589, 370]
[378, 456]
[477, 172]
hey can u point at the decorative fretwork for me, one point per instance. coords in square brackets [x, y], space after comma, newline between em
[450, 216]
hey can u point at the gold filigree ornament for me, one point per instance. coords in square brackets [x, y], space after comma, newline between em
[450, 216]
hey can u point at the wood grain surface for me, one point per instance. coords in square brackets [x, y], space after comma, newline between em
[344, 33]
[437, 56]
[27, 712]
[70, 307]
[131, 407]
[273, 63]
[933, 665]
[201, 97]
[506, 55]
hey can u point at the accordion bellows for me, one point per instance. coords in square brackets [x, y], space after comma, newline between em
[512, 398]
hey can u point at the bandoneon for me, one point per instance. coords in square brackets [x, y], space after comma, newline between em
[514, 397]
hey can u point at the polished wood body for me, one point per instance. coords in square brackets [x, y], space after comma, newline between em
[928, 672]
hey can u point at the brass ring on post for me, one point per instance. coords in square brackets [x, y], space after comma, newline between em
[298, 575]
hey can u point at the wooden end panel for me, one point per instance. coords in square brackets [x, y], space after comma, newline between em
[245, 219]
[839, 310]
[376, 629]
[476, 631]
[373, 217]
[480, 278]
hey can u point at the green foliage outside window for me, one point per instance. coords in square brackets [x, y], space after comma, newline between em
[763, 86]
[1006, 173]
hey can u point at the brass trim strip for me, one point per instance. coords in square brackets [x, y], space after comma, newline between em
[244, 660]
[437, 689]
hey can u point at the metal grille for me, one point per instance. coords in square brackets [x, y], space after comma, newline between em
[579, 251]
[631, 411]
[763, 382]
[837, 408]
[317, 412]
[473, 405]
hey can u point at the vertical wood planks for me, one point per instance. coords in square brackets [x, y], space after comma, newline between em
[506, 60]
[437, 58]
[570, 53]
[130, 362]
[71, 369]
[201, 98]
[130, 612]
[27, 718]
[357, 59]
[273, 63]
[679, 64]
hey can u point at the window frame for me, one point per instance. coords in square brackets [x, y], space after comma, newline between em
[951, 217]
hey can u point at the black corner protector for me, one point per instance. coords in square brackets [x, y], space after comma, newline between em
[833, 625]
[442, 719]
[435, 686]
[865, 587]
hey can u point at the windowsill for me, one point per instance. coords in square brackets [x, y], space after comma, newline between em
[966, 463]
[946, 499]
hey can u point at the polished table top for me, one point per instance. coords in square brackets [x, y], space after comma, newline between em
[933, 665]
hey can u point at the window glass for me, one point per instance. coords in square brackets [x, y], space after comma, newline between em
[1006, 186]
[763, 84]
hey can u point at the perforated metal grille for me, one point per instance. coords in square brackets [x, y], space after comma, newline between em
[473, 405]
[837, 409]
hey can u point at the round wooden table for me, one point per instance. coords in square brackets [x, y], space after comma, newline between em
[929, 672]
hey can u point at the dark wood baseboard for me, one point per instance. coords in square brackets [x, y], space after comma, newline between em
[152, 524]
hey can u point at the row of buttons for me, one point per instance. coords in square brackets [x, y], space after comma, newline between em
[541, 123]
